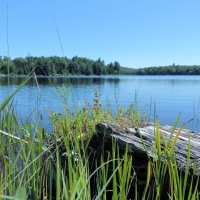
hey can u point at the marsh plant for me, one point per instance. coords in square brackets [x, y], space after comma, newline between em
[35, 164]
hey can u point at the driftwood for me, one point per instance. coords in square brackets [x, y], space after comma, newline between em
[131, 136]
[107, 130]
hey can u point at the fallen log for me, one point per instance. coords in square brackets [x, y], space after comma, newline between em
[131, 136]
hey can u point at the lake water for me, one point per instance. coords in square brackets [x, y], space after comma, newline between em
[167, 95]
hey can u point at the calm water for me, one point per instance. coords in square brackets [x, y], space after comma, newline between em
[170, 95]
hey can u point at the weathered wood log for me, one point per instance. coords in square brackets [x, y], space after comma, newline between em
[131, 136]
[107, 130]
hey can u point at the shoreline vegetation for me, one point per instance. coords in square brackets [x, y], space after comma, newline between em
[77, 66]
[36, 164]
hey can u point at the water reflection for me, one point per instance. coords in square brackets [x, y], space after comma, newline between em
[60, 81]
[171, 94]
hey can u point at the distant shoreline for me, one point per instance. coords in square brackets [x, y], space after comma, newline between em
[93, 75]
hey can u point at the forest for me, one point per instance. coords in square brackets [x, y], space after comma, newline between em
[170, 70]
[55, 65]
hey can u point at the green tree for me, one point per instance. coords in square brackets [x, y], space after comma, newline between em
[116, 67]
[110, 68]
[97, 67]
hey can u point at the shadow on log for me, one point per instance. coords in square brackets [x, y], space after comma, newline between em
[106, 131]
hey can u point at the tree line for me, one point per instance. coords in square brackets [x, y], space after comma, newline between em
[164, 70]
[170, 70]
[55, 65]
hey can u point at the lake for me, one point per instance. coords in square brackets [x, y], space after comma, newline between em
[167, 96]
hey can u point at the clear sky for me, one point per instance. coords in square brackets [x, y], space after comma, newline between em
[136, 33]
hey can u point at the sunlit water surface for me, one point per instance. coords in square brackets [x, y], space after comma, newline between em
[161, 96]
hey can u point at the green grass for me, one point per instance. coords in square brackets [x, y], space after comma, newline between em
[34, 165]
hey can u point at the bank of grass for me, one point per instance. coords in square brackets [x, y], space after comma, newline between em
[35, 164]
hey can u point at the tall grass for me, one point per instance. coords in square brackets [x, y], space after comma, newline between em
[61, 165]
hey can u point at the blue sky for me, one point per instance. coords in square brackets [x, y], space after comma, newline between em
[136, 33]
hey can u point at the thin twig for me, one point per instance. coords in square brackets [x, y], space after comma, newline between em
[12, 136]
[57, 31]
